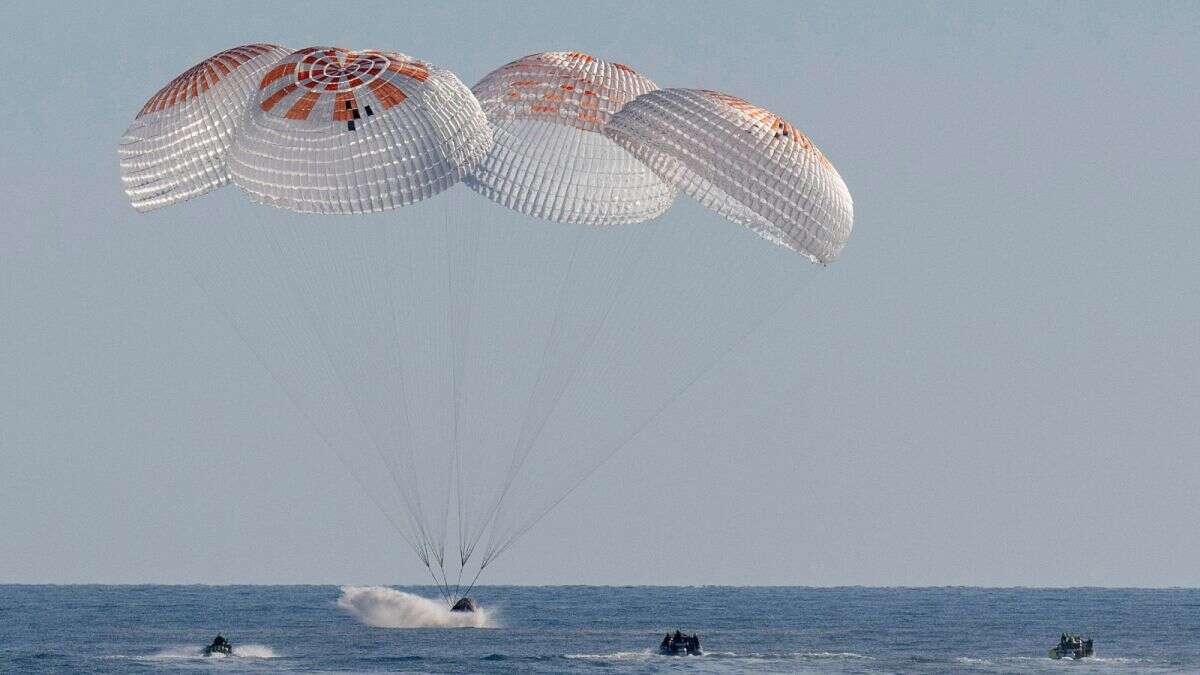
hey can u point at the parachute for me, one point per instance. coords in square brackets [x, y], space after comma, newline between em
[336, 131]
[470, 366]
[551, 159]
[175, 149]
[744, 162]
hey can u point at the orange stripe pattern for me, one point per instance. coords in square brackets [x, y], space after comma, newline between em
[780, 128]
[387, 93]
[339, 85]
[200, 77]
[571, 87]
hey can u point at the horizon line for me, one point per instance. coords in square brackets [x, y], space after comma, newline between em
[731, 586]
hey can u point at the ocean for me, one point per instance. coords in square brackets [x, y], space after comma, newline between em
[569, 629]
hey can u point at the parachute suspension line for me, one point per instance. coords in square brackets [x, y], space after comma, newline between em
[358, 270]
[620, 286]
[501, 278]
[449, 340]
[443, 590]
[461, 248]
[630, 282]
[531, 432]
[675, 396]
[422, 317]
[468, 356]
[391, 273]
[730, 258]
[460, 326]
[356, 405]
[709, 171]
[441, 513]
[458, 581]
[386, 299]
[287, 391]
[561, 145]
[542, 367]
[473, 580]
[415, 506]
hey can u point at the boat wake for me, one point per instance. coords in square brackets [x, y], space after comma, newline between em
[383, 607]
[254, 652]
[651, 654]
[249, 651]
[616, 656]
[1113, 664]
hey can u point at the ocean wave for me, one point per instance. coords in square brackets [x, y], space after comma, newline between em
[383, 607]
[831, 655]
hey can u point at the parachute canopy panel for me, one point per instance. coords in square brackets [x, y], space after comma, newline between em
[176, 147]
[743, 162]
[339, 131]
[551, 159]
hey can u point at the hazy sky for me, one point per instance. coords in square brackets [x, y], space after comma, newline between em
[1003, 387]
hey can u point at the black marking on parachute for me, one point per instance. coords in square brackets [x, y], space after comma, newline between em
[355, 112]
[369, 112]
[350, 125]
[348, 104]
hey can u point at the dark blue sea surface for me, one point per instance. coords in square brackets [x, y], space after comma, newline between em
[603, 629]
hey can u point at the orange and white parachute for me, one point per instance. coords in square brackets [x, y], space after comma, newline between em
[743, 162]
[557, 135]
[551, 159]
[176, 147]
[339, 131]
[467, 371]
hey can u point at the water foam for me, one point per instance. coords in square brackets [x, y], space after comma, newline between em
[178, 653]
[250, 651]
[615, 656]
[649, 654]
[384, 607]
[254, 652]
[832, 655]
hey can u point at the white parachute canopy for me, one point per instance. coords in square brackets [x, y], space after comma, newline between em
[551, 159]
[176, 146]
[338, 131]
[743, 162]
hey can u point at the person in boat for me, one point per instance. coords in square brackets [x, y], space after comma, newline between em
[666, 643]
[219, 646]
